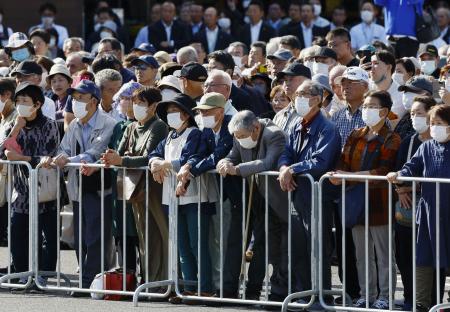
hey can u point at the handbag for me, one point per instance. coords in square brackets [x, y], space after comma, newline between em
[427, 28]
[113, 280]
[47, 179]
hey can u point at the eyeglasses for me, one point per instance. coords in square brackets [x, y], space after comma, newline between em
[210, 85]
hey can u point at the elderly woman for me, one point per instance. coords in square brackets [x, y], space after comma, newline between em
[371, 150]
[37, 138]
[278, 101]
[430, 162]
[140, 137]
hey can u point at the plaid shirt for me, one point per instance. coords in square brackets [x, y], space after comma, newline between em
[378, 157]
[346, 122]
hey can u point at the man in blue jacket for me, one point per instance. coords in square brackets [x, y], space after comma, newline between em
[400, 23]
[313, 147]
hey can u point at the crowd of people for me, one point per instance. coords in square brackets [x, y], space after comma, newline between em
[241, 92]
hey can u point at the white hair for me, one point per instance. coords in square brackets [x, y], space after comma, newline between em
[273, 45]
[224, 76]
[187, 54]
[73, 39]
[107, 75]
[243, 120]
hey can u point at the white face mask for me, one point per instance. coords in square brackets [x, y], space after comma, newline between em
[371, 116]
[398, 78]
[248, 143]
[320, 68]
[79, 109]
[168, 94]
[140, 112]
[2, 105]
[302, 106]
[174, 120]
[24, 110]
[317, 9]
[439, 133]
[419, 124]
[209, 121]
[237, 61]
[367, 16]
[224, 22]
[105, 34]
[407, 100]
[309, 64]
[427, 67]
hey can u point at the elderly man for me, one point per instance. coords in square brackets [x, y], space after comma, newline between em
[313, 148]
[186, 55]
[109, 81]
[257, 146]
[73, 44]
[294, 75]
[74, 63]
[192, 78]
[85, 140]
[277, 61]
[220, 82]
[337, 102]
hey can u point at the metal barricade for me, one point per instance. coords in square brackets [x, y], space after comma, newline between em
[219, 298]
[70, 285]
[367, 179]
[8, 279]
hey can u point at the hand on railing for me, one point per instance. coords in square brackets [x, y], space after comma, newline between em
[160, 169]
[336, 181]
[286, 178]
[111, 158]
[392, 177]
[184, 174]
[226, 168]
[86, 170]
[60, 160]
[46, 162]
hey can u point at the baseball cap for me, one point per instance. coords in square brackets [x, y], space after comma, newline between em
[163, 57]
[145, 47]
[281, 54]
[170, 81]
[325, 52]
[295, 69]
[59, 69]
[27, 68]
[323, 81]
[85, 87]
[353, 73]
[417, 84]
[146, 59]
[211, 100]
[16, 40]
[194, 71]
[428, 49]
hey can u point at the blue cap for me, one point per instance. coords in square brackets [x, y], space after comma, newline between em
[127, 90]
[85, 87]
[147, 59]
[281, 54]
[145, 47]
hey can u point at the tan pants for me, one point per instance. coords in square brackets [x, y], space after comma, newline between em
[158, 236]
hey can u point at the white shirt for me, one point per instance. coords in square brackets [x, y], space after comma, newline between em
[397, 102]
[255, 30]
[114, 113]
[49, 108]
[307, 34]
[229, 109]
[63, 34]
[211, 38]
[168, 29]
[321, 22]
[363, 34]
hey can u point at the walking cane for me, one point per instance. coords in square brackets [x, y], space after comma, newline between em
[247, 221]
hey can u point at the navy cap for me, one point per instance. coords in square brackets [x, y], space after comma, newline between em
[145, 47]
[146, 59]
[85, 87]
[194, 71]
[27, 68]
[417, 84]
[296, 69]
[325, 52]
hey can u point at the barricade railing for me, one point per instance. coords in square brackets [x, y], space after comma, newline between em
[104, 205]
[370, 180]
[9, 279]
[219, 298]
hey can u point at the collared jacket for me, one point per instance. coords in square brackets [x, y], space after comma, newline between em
[98, 140]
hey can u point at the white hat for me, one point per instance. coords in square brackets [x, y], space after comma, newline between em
[59, 69]
[170, 81]
[162, 57]
[16, 40]
[353, 73]
[59, 61]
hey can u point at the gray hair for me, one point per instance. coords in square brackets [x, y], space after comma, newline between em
[187, 54]
[238, 44]
[273, 45]
[107, 75]
[224, 76]
[316, 89]
[73, 39]
[243, 120]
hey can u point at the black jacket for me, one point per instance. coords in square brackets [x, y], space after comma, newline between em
[222, 42]
[240, 99]
[180, 34]
[265, 34]
[295, 29]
